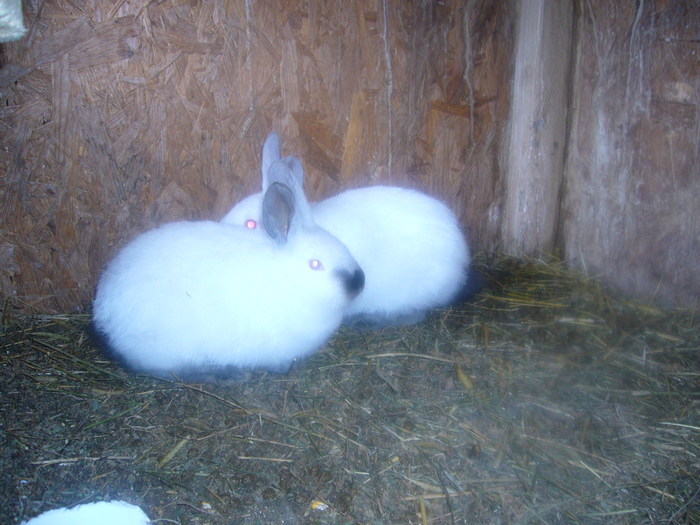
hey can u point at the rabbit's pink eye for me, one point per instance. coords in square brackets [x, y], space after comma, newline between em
[251, 224]
[315, 264]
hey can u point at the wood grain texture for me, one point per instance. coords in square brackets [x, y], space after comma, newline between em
[118, 116]
[632, 178]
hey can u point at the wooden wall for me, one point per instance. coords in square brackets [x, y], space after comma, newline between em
[533, 154]
[120, 115]
[632, 180]
[548, 126]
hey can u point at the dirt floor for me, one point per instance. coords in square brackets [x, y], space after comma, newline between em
[543, 400]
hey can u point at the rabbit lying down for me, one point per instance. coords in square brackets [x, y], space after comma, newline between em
[410, 246]
[190, 297]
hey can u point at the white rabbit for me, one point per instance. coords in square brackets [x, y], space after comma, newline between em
[410, 246]
[196, 297]
[102, 512]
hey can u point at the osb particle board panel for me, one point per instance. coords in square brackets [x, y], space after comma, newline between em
[117, 116]
[632, 180]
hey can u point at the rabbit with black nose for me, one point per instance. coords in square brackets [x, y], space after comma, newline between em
[410, 246]
[197, 296]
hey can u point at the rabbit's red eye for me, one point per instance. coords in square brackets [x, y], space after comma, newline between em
[251, 224]
[315, 264]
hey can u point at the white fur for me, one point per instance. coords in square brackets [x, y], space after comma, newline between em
[410, 246]
[201, 295]
[100, 513]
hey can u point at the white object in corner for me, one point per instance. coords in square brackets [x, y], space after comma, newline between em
[100, 513]
[11, 23]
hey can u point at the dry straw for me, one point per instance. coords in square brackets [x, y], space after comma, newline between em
[544, 400]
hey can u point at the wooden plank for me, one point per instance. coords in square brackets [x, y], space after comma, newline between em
[632, 195]
[537, 126]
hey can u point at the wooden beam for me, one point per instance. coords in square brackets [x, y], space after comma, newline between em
[536, 133]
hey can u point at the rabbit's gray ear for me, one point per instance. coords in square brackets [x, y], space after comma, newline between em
[270, 154]
[295, 165]
[278, 212]
[280, 172]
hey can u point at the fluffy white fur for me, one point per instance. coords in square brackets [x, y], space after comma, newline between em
[410, 246]
[102, 513]
[191, 296]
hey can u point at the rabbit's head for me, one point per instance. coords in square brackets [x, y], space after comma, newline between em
[316, 261]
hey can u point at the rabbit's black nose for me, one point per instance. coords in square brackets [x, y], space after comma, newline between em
[353, 282]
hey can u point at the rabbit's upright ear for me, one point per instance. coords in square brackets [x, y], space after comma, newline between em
[281, 172]
[294, 164]
[278, 212]
[270, 155]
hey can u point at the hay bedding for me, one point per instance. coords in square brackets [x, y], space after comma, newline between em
[544, 400]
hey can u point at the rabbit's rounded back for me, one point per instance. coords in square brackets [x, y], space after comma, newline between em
[413, 253]
[199, 295]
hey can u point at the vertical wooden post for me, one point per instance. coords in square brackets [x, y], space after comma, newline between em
[536, 133]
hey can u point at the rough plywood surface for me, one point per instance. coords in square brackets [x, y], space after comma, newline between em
[120, 116]
[632, 182]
